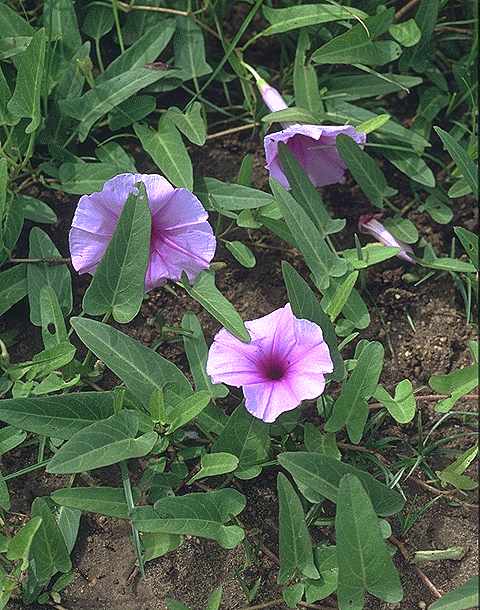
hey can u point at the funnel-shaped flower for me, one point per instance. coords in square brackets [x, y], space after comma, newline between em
[181, 238]
[314, 146]
[284, 363]
[368, 223]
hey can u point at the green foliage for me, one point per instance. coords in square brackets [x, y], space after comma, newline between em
[91, 91]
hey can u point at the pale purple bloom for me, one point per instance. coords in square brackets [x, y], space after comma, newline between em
[284, 363]
[181, 238]
[314, 146]
[272, 98]
[368, 223]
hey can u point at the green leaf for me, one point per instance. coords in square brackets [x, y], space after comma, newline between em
[102, 444]
[341, 295]
[85, 178]
[12, 24]
[14, 288]
[351, 408]
[326, 562]
[470, 243]
[412, 166]
[57, 416]
[141, 369]
[225, 196]
[306, 194]
[343, 112]
[35, 210]
[19, 546]
[305, 305]
[438, 210]
[207, 294]
[187, 410]
[196, 514]
[305, 81]
[39, 275]
[108, 501]
[68, 520]
[462, 598]
[118, 285]
[364, 169]
[54, 331]
[357, 46]
[457, 383]
[158, 544]
[453, 473]
[94, 104]
[321, 261]
[190, 123]
[402, 406]
[166, 148]
[25, 102]
[294, 17]
[406, 33]
[403, 229]
[48, 552]
[197, 353]
[242, 253]
[322, 474]
[10, 437]
[247, 438]
[5, 502]
[215, 464]
[189, 48]
[419, 56]
[98, 21]
[465, 164]
[293, 594]
[145, 50]
[296, 555]
[364, 562]
[214, 599]
[130, 111]
[372, 254]
[60, 23]
[448, 264]
[316, 441]
[369, 85]
[5, 95]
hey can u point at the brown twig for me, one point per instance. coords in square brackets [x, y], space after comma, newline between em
[227, 132]
[126, 8]
[451, 495]
[423, 577]
[405, 9]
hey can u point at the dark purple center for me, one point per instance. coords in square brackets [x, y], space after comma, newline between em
[274, 370]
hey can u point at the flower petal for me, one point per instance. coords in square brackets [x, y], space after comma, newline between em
[270, 399]
[232, 361]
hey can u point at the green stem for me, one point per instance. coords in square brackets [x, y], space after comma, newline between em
[42, 441]
[99, 55]
[117, 25]
[26, 470]
[127, 488]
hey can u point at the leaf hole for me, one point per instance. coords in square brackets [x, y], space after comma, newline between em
[51, 328]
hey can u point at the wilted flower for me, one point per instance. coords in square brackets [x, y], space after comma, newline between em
[284, 363]
[181, 238]
[368, 223]
[314, 146]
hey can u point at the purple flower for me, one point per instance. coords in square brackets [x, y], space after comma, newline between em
[368, 223]
[314, 146]
[272, 98]
[181, 238]
[284, 363]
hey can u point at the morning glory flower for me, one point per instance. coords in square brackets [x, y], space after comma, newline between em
[181, 238]
[284, 363]
[314, 146]
[368, 223]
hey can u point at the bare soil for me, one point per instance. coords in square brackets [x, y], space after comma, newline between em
[424, 332]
